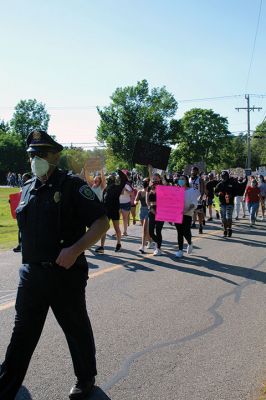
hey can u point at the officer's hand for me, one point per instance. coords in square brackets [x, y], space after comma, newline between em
[66, 258]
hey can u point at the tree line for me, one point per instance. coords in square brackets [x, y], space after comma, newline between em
[138, 112]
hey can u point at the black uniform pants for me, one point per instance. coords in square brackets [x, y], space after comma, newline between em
[184, 231]
[64, 291]
[155, 229]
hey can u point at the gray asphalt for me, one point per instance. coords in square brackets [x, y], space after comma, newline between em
[170, 329]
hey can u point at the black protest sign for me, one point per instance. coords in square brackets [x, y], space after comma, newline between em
[146, 153]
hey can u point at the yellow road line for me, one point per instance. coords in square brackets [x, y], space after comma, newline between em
[111, 269]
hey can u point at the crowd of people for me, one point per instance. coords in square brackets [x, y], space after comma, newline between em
[205, 195]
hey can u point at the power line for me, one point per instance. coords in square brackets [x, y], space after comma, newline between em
[254, 44]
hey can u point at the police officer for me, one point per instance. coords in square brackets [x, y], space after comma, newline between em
[54, 211]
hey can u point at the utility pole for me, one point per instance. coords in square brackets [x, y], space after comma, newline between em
[248, 108]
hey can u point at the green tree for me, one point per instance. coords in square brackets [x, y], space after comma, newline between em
[29, 115]
[4, 126]
[201, 137]
[74, 158]
[136, 113]
[234, 153]
[13, 156]
[258, 146]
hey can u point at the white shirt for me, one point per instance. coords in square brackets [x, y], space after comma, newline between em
[125, 195]
[191, 197]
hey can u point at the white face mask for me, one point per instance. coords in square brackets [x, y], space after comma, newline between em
[39, 166]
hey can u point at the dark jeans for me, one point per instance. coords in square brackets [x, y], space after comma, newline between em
[64, 291]
[155, 230]
[184, 231]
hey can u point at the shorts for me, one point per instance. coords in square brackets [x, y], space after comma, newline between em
[125, 206]
[143, 213]
[209, 201]
[199, 209]
[227, 211]
[114, 215]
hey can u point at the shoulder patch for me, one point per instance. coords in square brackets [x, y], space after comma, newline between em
[86, 192]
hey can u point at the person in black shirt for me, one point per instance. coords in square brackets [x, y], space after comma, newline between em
[226, 190]
[53, 215]
[210, 186]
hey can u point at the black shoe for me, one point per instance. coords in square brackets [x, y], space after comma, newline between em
[200, 229]
[237, 218]
[229, 232]
[225, 233]
[217, 215]
[99, 250]
[209, 219]
[17, 249]
[204, 222]
[193, 225]
[118, 247]
[81, 390]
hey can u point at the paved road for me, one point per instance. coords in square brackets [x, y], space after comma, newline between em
[165, 329]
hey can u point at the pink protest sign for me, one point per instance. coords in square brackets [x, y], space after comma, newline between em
[170, 203]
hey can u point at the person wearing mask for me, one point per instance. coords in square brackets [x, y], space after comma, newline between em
[155, 227]
[226, 190]
[143, 215]
[184, 229]
[252, 197]
[197, 183]
[240, 190]
[54, 212]
[111, 203]
[210, 186]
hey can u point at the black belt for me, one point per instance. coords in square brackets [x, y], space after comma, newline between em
[47, 264]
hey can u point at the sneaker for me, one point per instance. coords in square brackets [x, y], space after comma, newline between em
[157, 252]
[193, 225]
[217, 215]
[179, 253]
[142, 250]
[229, 232]
[134, 222]
[225, 233]
[209, 219]
[200, 229]
[118, 247]
[99, 250]
[124, 234]
[237, 218]
[204, 222]
[150, 245]
[189, 248]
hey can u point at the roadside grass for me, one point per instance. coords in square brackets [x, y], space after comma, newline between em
[8, 225]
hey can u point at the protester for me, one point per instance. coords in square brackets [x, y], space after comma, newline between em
[143, 215]
[53, 214]
[184, 229]
[98, 185]
[240, 190]
[125, 205]
[262, 187]
[197, 183]
[210, 186]
[155, 227]
[252, 197]
[226, 189]
[111, 203]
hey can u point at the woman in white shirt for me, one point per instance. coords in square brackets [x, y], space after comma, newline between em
[184, 229]
[125, 206]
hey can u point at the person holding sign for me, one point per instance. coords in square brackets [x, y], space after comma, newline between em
[184, 229]
[155, 227]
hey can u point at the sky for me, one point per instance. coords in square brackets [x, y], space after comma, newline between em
[71, 55]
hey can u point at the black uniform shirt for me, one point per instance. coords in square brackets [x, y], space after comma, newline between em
[54, 215]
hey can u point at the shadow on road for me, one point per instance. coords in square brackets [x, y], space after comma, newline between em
[23, 394]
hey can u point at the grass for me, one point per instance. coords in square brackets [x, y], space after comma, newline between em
[8, 225]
